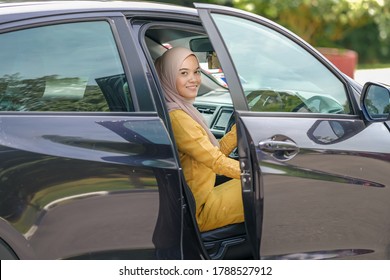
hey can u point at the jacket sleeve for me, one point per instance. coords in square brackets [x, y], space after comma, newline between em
[191, 139]
[229, 141]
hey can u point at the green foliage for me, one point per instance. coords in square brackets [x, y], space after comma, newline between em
[361, 25]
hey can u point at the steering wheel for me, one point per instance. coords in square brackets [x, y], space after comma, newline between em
[265, 100]
[319, 104]
[232, 121]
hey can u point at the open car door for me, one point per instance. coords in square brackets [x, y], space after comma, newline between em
[314, 173]
[250, 182]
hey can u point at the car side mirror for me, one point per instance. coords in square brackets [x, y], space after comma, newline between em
[375, 101]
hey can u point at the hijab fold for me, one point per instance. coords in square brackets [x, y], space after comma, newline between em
[168, 66]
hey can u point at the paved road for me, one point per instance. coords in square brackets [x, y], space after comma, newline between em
[373, 75]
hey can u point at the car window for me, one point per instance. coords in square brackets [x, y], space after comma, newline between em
[276, 73]
[63, 67]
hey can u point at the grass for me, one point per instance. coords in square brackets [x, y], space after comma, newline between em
[373, 66]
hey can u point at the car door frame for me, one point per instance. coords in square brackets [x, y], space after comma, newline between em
[251, 187]
[192, 245]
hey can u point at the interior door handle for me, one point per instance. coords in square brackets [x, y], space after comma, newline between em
[284, 149]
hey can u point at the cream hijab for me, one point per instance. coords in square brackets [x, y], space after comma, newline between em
[168, 66]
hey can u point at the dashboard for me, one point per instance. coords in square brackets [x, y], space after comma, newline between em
[217, 109]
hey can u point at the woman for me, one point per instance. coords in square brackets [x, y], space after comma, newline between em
[201, 155]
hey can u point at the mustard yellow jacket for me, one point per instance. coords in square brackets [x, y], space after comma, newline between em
[201, 161]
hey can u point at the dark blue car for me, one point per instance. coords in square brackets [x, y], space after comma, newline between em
[88, 163]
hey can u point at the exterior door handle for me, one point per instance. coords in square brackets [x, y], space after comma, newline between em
[282, 150]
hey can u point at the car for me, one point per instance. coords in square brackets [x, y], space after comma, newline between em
[89, 167]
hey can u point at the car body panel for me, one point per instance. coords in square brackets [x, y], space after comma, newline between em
[77, 163]
[96, 180]
[316, 201]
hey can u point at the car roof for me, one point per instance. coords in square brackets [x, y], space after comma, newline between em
[26, 10]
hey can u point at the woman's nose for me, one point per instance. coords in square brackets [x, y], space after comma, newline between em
[192, 78]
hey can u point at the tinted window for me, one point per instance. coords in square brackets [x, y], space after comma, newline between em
[64, 67]
[276, 73]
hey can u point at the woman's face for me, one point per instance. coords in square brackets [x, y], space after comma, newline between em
[188, 78]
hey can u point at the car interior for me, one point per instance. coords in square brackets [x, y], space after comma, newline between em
[229, 242]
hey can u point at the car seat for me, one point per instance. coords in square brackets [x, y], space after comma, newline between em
[228, 242]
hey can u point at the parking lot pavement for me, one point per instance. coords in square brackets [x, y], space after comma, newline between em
[373, 75]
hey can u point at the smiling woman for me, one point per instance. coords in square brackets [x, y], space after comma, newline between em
[201, 155]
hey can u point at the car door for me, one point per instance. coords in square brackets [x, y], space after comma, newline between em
[314, 172]
[87, 167]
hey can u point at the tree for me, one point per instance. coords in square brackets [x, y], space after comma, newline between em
[331, 23]
[314, 19]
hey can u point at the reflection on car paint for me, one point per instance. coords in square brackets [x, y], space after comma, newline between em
[299, 172]
[320, 255]
[333, 131]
